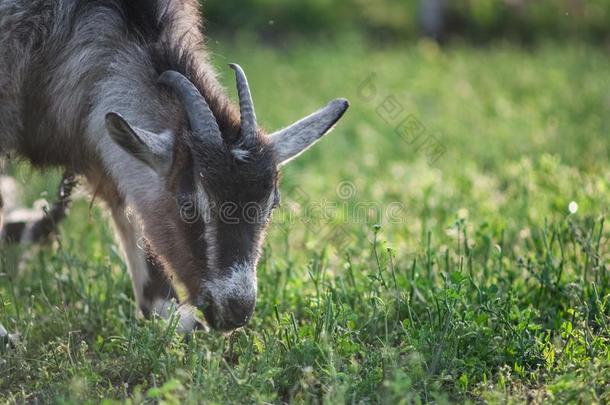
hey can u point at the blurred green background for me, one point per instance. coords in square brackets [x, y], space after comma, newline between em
[477, 20]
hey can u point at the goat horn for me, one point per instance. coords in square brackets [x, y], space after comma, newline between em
[246, 105]
[201, 118]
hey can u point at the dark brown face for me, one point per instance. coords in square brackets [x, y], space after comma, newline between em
[221, 186]
[225, 202]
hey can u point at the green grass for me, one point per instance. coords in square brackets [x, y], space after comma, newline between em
[387, 277]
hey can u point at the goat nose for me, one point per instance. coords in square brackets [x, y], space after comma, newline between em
[240, 311]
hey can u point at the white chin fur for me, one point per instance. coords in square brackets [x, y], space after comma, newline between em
[241, 284]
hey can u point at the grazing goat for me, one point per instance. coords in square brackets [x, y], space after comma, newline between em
[121, 92]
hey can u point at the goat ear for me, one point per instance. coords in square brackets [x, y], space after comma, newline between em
[155, 150]
[297, 138]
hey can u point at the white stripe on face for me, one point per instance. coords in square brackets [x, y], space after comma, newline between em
[209, 232]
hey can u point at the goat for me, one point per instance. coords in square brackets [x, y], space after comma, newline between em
[122, 93]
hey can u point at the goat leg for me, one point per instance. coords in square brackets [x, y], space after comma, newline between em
[43, 229]
[36, 229]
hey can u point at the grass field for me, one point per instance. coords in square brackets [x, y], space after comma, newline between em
[472, 268]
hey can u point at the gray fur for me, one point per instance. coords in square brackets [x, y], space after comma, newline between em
[79, 88]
